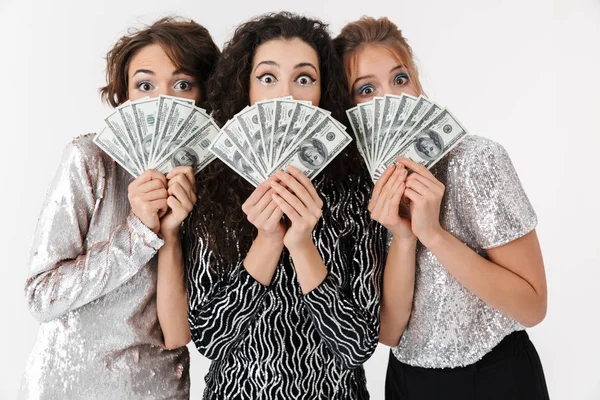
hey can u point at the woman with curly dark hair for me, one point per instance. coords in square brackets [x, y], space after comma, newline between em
[283, 279]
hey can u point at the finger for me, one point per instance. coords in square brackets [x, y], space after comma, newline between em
[412, 195]
[303, 179]
[182, 181]
[155, 195]
[416, 167]
[186, 171]
[148, 175]
[266, 212]
[148, 186]
[177, 208]
[287, 209]
[263, 203]
[157, 205]
[399, 181]
[257, 194]
[297, 189]
[419, 187]
[397, 197]
[290, 199]
[434, 186]
[182, 196]
[377, 212]
[383, 179]
[275, 216]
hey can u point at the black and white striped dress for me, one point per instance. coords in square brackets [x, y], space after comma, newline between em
[276, 343]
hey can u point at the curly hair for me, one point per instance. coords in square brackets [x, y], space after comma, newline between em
[188, 45]
[218, 213]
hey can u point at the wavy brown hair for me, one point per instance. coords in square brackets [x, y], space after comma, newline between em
[218, 214]
[379, 32]
[188, 45]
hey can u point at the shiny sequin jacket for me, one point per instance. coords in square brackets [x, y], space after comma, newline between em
[92, 286]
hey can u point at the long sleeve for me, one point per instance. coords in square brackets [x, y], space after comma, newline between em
[345, 307]
[222, 305]
[66, 270]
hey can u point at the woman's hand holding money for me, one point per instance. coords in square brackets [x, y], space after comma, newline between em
[181, 190]
[385, 202]
[296, 196]
[147, 195]
[425, 193]
[262, 212]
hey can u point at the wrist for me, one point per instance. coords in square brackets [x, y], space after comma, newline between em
[404, 242]
[272, 239]
[170, 237]
[434, 239]
[300, 244]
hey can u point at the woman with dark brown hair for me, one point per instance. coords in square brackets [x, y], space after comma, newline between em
[113, 319]
[464, 274]
[283, 280]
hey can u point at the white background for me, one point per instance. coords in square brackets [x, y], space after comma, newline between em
[525, 74]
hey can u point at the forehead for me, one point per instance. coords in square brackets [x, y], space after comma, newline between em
[151, 57]
[371, 59]
[286, 52]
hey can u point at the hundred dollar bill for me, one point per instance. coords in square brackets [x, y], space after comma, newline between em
[365, 111]
[300, 118]
[107, 141]
[354, 118]
[193, 151]
[249, 121]
[234, 132]
[230, 154]
[282, 115]
[116, 124]
[418, 110]
[265, 116]
[432, 142]
[145, 121]
[395, 111]
[434, 110]
[177, 115]
[316, 150]
[128, 118]
[377, 134]
[162, 113]
[315, 119]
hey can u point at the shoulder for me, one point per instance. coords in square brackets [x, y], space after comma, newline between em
[85, 146]
[83, 156]
[477, 153]
[473, 146]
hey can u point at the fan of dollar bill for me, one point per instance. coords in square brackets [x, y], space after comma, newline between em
[413, 127]
[271, 134]
[158, 133]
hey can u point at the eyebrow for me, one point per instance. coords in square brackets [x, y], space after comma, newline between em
[360, 78]
[274, 64]
[150, 72]
[143, 71]
[267, 62]
[305, 64]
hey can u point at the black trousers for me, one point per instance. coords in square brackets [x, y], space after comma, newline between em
[511, 371]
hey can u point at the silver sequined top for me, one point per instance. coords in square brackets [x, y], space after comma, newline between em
[484, 206]
[92, 285]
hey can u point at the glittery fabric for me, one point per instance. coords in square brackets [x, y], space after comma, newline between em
[92, 285]
[484, 206]
[276, 343]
